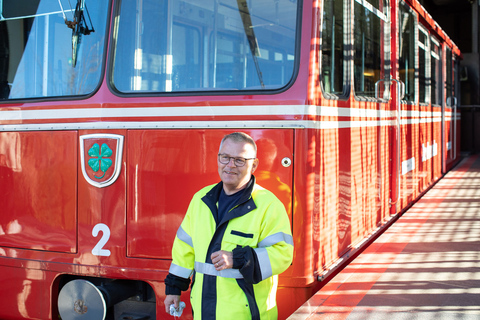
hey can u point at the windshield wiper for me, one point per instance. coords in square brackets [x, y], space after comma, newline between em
[79, 27]
[250, 34]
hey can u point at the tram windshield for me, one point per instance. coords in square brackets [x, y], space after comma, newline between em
[51, 48]
[203, 45]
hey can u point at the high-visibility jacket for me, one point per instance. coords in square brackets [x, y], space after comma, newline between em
[257, 230]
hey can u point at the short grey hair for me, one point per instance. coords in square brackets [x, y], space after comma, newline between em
[240, 137]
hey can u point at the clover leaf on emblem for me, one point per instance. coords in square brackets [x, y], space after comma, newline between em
[99, 160]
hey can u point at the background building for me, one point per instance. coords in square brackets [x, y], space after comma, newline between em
[459, 19]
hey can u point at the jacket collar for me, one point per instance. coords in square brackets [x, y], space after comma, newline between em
[244, 205]
[214, 193]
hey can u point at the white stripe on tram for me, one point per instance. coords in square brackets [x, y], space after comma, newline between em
[381, 117]
[257, 110]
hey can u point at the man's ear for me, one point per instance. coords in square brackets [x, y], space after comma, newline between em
[255, 165]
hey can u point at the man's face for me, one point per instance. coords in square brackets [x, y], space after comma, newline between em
[236, 178]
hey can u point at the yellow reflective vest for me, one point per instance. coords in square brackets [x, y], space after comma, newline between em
[259, 231]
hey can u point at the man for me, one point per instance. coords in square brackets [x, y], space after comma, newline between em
[235, 239]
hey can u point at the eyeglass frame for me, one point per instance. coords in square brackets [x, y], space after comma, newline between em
[234, 159]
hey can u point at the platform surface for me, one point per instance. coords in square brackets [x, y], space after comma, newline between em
[426, 265]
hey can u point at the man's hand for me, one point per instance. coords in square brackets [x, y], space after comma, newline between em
[169, 300]
[222, 260]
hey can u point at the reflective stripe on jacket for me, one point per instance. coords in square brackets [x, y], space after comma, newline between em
[259, 221]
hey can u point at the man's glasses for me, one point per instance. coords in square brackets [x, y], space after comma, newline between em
[239, 162]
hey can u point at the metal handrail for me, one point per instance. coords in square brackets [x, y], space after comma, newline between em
[454, 142]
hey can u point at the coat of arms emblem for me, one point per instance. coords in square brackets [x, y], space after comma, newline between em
[101, 158]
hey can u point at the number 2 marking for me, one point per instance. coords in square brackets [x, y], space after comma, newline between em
[98, 249]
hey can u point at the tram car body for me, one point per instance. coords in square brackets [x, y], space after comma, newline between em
[111, 114]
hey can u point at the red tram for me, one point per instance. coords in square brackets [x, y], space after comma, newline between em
[111, 113]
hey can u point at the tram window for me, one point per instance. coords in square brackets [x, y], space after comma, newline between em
[406, 50]
[370, 65]
[449, 77]
[203, 45]
[36, 56]
[423, 76]
[456, 77]
[332, 48]
[436, 72]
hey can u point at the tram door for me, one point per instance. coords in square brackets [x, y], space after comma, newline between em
[449, 114]
[396, 95]
[371, 137]
[436, 101]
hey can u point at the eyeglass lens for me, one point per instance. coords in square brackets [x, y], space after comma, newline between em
[224, 159]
